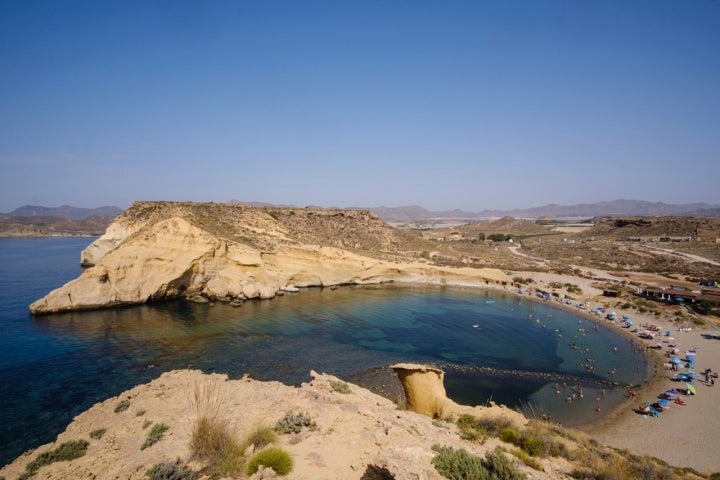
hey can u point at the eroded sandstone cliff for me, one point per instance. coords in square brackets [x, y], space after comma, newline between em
[224, 252]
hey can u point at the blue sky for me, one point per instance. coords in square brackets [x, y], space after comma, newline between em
[474, 105]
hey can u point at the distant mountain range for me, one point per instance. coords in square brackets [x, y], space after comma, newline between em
[583, 210]
[415, 213]
[66, 211]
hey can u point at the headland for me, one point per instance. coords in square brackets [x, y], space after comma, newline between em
[234, 253]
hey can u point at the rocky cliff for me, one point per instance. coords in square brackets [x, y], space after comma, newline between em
[330, 429]
[355, 433]
[223, 252]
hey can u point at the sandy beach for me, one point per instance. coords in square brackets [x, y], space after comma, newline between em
[684, 435]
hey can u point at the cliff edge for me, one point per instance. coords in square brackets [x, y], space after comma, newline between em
[232, 253]
[352, 434]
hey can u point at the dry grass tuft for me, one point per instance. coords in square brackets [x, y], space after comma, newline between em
[211, 439]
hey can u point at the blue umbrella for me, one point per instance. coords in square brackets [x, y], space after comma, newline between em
[676, 361]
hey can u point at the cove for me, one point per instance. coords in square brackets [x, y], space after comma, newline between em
[493, 345]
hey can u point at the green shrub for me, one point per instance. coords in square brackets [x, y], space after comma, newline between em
[140, 413]
[459, 464]
[260, 437]
[294, 423]
[146, 424]
[98, 434]
[533, 446]
[527, 459]
[276, 458]
[170, 471]
[502, 466]
[510, 435]
[122, 406]
[155, 435]
[472, 428]
[340, 387]
[66, 451]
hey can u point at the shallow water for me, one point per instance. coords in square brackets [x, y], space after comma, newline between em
[53, 367]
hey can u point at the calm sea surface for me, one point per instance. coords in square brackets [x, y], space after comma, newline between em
[54, 367]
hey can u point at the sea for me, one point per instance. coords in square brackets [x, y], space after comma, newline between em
[494, 345]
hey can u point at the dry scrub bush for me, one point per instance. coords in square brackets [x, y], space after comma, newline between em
[122, 406]
[294, 423]
[64, 452]
[260, 437]
[170, 471]
[155, 435]
[211, 439]
[476, 429]
[461, 465]
[340, 386]
[527, 459]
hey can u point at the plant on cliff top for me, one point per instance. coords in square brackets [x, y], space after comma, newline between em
[122, 406]
[170, 471]
[276, 458]
[339, 386]
[155, 435]
[211, 439]
[260, 437]
[461, 465]
[294, 423]
[475, 429]
[66, 451]
[98, 434]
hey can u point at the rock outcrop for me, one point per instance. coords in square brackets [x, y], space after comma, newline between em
[425, 394]
[160, 250]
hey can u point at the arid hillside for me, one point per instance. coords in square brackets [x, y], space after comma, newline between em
[702, 230]
[49, 226]
[267, 227]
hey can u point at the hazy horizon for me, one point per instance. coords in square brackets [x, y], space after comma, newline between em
[468, 105]
[529, 207]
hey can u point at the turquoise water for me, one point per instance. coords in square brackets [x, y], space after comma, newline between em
[53, 367]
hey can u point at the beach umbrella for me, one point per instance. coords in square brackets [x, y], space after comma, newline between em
[676, 361]
[691, 388]
[682, 376]
[692, 375]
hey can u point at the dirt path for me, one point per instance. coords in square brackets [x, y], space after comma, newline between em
[696, 258]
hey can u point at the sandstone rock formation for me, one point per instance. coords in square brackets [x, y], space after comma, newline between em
[425, 394]
[160, 250]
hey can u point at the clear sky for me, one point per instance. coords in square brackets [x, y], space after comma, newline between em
[445, 104]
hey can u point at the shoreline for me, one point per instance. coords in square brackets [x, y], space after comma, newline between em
[678, 436]
[611, 427]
